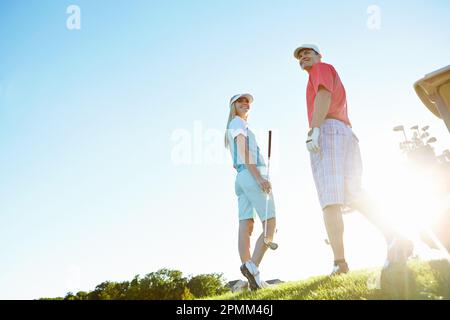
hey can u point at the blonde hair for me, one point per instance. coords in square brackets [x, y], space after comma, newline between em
[231, 116]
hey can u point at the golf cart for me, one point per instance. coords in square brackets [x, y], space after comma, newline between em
[434, 92]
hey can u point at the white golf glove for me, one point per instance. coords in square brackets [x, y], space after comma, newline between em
[312, 142]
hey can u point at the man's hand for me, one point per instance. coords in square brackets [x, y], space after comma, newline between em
[312, 142]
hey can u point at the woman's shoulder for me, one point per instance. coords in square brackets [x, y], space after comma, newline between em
[238, 122]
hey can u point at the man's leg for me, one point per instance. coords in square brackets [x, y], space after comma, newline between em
[368, 208]
[398, 248]
[328, 167]
[335, 229]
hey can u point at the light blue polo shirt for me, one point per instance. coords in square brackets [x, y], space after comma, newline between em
[240, 126]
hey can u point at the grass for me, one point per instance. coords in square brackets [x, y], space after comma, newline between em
[418, 280]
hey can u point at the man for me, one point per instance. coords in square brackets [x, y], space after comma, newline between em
[336, 160]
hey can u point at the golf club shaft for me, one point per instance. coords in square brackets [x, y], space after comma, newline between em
[270, 143]
[268, 179]
[404, 134]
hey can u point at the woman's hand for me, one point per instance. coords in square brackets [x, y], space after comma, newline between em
[265, 185]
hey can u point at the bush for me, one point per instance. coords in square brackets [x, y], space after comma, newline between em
[164, 284]
[205, 285]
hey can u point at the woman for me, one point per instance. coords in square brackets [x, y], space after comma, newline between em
[251, 187]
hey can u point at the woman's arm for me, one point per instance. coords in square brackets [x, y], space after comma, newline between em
[243, 153]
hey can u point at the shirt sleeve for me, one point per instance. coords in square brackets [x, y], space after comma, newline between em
[322, 74]
[237, 127]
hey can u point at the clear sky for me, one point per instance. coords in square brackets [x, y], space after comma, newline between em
[111, 157]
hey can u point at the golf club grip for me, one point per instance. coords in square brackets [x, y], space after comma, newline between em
[270, 142]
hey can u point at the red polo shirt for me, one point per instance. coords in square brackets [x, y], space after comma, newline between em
[324, 74]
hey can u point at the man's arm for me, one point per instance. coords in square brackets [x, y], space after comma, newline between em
[321, 106]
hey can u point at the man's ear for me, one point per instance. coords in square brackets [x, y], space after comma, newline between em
[320, 56]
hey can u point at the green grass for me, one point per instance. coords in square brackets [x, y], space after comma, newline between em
[417, 280]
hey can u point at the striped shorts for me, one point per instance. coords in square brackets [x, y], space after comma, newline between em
[337, 167]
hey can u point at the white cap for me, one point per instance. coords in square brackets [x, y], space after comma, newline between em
[237, 96]
[306, 46]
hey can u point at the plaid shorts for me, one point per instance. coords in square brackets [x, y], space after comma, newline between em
[337, 167]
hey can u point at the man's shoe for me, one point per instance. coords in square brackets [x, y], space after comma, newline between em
[251, 272]
[399, 250]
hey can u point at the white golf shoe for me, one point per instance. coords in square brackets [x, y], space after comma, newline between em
[251, 272]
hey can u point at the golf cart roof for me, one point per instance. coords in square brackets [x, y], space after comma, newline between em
[434, 91]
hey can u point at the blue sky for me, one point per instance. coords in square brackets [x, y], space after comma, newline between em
[89, 118]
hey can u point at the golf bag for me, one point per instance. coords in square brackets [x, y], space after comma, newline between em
[421, 156]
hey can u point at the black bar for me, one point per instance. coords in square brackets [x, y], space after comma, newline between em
[220, 309]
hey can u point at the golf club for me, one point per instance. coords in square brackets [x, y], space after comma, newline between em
[446, 153]
[270, 244]
[416, 127]
[405, 146]
[423, 137]
[416, 139]
[431, 140]
[401, 128]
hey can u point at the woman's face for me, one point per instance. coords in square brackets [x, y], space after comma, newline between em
[242, 107]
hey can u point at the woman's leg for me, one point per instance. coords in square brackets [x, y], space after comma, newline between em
[245, 231]
[260, 247]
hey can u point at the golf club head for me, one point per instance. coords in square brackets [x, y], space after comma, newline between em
[416, 127]
[399, 128]
[446, 154]
[270, 244]
[425, 128]
[431, 140]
